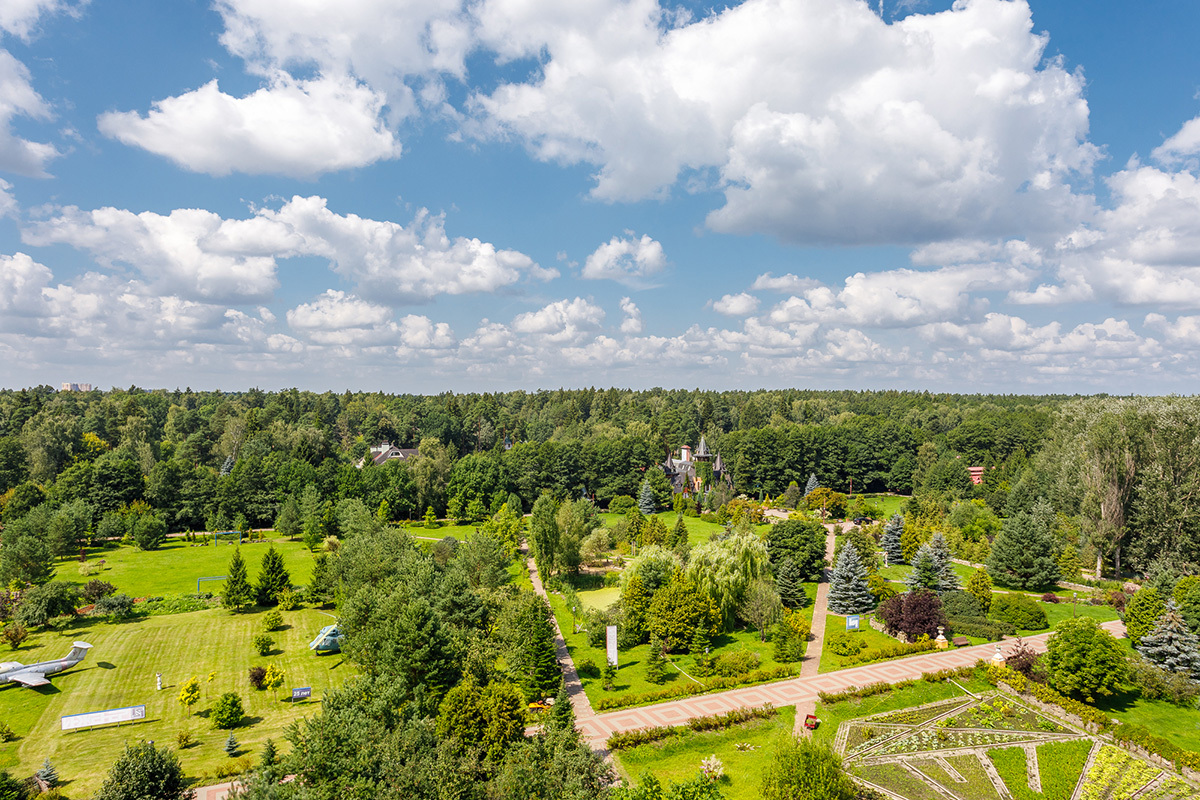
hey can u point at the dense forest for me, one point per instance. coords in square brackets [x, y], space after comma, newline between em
[102, 463]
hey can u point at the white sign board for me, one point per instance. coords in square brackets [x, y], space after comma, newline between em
[110, 717]
[612, 644]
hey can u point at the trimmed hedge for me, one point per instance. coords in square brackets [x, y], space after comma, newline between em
[689, 689]
[990, 629]
[712, 722]
[1018, 610]
[897, 650]
[1142, 737]
[882, 687]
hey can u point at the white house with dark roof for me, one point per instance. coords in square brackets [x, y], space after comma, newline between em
[381, 453]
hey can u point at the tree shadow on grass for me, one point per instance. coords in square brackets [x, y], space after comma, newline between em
[249, 721]
[1120, 702]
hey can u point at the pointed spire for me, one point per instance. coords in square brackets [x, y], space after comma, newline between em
[702, 450]
[718, 465]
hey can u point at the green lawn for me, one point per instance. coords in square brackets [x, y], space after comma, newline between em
[1179, 725]
[631, 671]
[888, 504]
[600, 598]
[679, 759]
[831, 661]
[698, 530]
[120, 671]
[1057, 612]
[898, 572]
[174, 567]
[460, 532]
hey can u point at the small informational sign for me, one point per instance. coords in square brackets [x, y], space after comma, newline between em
[852, 622]
[611, 641]
[110, 717]
[301, 693]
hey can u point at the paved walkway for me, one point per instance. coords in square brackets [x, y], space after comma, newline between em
[579, 701]
[812, 654]
[796, 691]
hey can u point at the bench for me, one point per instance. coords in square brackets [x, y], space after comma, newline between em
[960, 641]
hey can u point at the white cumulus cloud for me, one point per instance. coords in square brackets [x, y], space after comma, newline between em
[736, 305]
[629, 260]
[824, 122]
[18, 99]
[198, 254]
[296, 128]
[562, 320]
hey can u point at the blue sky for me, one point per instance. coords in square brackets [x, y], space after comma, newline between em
[419, 195]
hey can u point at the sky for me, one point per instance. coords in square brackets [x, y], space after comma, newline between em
[478, 195]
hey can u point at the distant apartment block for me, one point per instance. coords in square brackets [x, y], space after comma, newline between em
[76, 387]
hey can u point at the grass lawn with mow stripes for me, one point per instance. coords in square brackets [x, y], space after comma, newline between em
[174, 567]
[120, 671]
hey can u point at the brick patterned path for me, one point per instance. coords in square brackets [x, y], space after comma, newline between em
[796, 691]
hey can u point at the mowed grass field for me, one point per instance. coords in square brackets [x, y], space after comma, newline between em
[174, 567]
[679, 759]
[120, 671]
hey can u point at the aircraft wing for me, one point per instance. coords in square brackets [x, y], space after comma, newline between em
[29, 679]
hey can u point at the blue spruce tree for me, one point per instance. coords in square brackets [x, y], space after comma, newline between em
[646, 502]
[849, 592]
[813, 483]
[1172, 645]
[943, 563]
[892, 532]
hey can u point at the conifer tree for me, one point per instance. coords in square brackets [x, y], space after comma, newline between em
[892, 532]
[679, 534]
[635, 605]
[924, 574]
[1141, 613]
[1171, 645]
[231, 745]
[943, 563]
[320, 586]
[273, 577]
[848, 589]
[812, 484]
[700, 642]
[656, 664]
[979, 586]
[1023, 554]
[562, 714]
[238, 592]
[788, 581]
[289, 522]
[1069, 564]
[655, 531]
[48, 774]
[646, 502]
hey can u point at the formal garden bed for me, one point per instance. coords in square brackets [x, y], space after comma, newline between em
[916, 744]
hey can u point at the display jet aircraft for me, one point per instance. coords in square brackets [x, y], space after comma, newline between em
[35, 674]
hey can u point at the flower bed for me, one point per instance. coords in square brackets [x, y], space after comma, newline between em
[1116, 775]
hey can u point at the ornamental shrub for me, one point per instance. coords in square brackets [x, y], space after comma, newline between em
[843, 643]
[1143, 609]
[263, 644]
[961, 604]
[913, 614]
[256, 676]
[735, 662]
[1083, 660]
[1018, 610]
[227, 712]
